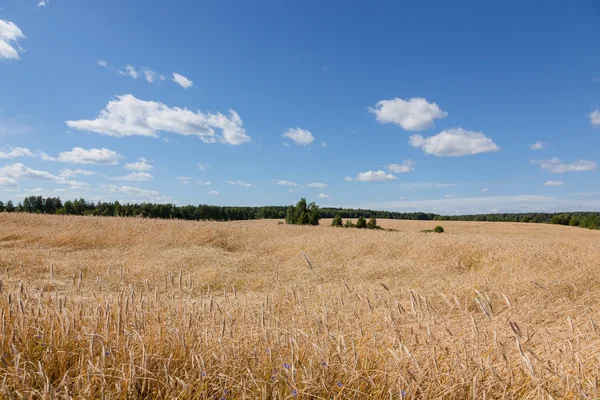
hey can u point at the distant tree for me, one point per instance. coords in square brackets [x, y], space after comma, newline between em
[303, 214]
[9, 206]
[361, 222]
[372, 224]
[337, 221]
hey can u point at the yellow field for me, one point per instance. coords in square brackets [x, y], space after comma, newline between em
[133, 308]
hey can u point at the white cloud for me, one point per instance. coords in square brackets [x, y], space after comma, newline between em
[66, 173]
[291, 190]
[485, 190]
[452, 196]
[103, 63]
[151, 195]
[9, 36]
[323, 144]
[130, 71]
[554, 183]
[141, 165]
[10, 175]
[348, 179]
[375, 176]
[284, 182]
[213, 192]
[202, 167]
[556, 166]
[537, 146]
[129, 116]
[16, 152]
[91, 156]
[182, 81]
[316, 185]
[323, 196]
[595, 118]
[415, 114]
[133, 177]
[477, 205]
[454, 142]
[300, 136]
[406, 166]
[43, 3]
[240, 183]
[149, 75]
[203, 183]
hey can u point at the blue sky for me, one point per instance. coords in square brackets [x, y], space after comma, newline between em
[450, 108]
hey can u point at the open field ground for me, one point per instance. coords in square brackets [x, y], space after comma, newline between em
[133, 308]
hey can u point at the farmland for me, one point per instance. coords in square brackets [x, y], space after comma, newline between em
[103, 307]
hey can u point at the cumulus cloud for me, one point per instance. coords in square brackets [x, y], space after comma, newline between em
[348, 179]
[149, 75]
[323, 196]
[300, 136]
[133, 177]
[141, 165]
[213, 192]
[323, 144]
[202, 167]
[556, 166]
[240, 183]
[9, 36]
[415, 114]
[66, 173]
[485, 190]
[182, 81]
[316, 185]
[82, 156]
[284, 183]
[595, 118]
[43, 3]
[554, 183]
[103, 63]
[10, 175]
[16, 152]
[130, 71]
[374, 176]
[151, 195]
[203, 182]
[454, 142]
[537, 146]
[406, 166]
[129, 116]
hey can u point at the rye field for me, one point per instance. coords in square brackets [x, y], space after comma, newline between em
[126, 308]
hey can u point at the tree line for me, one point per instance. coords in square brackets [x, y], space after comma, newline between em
[308, 212]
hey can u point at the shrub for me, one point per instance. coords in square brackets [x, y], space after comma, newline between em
[438, 229]
[337, 221]
[348, 224]
[303, 214]
[372, 224]
[361, 222]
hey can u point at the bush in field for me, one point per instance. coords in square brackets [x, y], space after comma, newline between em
[303, 214]
[438, 229]
[372, 224]
[337, 221]
[361, 222]
[349, 224]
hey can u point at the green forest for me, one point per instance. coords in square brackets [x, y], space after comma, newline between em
[54, 205]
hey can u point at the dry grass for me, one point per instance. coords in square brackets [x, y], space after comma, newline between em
[129, 308]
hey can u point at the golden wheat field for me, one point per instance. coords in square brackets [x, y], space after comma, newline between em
[120, 308]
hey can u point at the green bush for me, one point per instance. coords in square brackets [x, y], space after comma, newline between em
[361, 222]
[372, 224]
[337, 221]
[438, 229]
[348, 224]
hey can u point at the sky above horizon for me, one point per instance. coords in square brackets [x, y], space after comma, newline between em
[448, 108]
